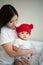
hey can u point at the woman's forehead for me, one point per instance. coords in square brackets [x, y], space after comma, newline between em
[14, 18]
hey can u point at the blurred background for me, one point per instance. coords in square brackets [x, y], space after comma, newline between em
[30, 11]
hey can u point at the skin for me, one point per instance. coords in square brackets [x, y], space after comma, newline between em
[12, 23]
[24, 36]
[8, 47]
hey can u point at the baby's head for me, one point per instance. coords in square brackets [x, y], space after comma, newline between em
[24, 31]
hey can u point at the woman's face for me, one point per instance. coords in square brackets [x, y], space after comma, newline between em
[12, 22]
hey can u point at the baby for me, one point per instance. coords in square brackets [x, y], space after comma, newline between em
[23, 33]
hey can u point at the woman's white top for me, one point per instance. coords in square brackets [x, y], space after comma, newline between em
[7, 36]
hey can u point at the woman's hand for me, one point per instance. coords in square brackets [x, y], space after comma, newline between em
[29, 59]
[33, 51]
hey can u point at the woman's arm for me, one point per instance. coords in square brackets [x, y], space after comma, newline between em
[21, 51]
[17, 52]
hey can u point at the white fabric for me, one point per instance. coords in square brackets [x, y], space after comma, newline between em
[37, 45]
[35, 59]
[34, 44]
[24, 44]
[7, 35]
[41, 58]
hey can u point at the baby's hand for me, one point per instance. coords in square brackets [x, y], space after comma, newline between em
[25, 59]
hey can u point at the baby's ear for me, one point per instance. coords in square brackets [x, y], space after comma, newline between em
[31, 26]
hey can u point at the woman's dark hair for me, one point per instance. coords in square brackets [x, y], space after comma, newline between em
[6, 13]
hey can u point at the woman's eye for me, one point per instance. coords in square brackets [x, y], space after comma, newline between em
[10, 21]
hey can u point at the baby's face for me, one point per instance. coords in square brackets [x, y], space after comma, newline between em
[23, 35]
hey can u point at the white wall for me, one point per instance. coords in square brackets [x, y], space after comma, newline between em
[30, 11]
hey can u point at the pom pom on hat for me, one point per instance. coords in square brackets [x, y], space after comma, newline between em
[31, 26]
[24, 27]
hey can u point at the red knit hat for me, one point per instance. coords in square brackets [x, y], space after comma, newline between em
[24, 27]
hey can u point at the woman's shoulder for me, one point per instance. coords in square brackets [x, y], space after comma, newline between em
[4, 28]
[9, 32]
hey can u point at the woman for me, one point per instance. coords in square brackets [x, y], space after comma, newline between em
[8, 20]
